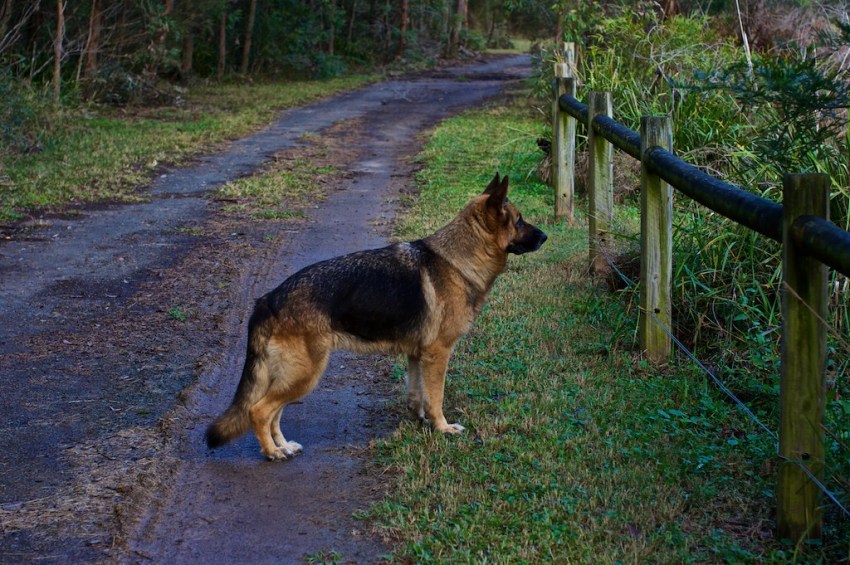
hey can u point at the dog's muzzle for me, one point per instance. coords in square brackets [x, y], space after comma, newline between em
[529, 242]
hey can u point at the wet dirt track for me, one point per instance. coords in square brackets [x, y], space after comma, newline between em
[106, 391]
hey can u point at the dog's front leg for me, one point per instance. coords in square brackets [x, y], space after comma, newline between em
[415, 392]
[434, 363]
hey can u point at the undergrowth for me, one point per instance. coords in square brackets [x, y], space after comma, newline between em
[576, 449]
[745, 122]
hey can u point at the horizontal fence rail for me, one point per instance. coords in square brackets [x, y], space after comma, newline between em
[810, 243]
[757, 213]
[824, 241]
[816, 236]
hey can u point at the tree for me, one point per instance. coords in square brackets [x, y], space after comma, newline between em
[190, 13]
[57, 51]
[222, 43]
[404, 17]
[331, 26]
[457, 22]
[5, 17]
[92, 41]
[249, 33]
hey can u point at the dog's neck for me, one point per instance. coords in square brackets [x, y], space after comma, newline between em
[464, 244]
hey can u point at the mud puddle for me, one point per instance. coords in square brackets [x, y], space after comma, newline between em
[122, 335]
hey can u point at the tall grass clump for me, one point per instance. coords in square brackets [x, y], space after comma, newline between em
[22, 116]
[748, 123]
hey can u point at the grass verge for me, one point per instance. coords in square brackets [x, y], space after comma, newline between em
[576, 450]
[104, 154]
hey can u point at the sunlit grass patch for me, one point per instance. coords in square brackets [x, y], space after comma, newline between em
[281, 191]
[105, 154]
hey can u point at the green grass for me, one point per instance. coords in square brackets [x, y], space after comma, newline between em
[104, 154]
[279, 192]
[576, 450]
[519, 45]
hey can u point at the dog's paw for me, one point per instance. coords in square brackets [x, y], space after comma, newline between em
[417, 410]
[292, 448]
[452, 429]
[286, 451]
[275, 455]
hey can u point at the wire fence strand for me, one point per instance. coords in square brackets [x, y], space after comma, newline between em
[738, 402]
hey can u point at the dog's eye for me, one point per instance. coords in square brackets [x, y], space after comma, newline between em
[519, 222]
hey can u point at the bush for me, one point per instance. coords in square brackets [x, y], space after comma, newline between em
[473, 39]
[21, 114]
[327, 66]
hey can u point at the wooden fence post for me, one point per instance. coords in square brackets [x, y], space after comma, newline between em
[656, 243]
[568, 54]
[802, 396]
[600, 183]
[563, 145]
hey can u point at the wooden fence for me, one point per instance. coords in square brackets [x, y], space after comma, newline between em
[810, 244]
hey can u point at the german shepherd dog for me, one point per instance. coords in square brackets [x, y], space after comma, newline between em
[415, 299]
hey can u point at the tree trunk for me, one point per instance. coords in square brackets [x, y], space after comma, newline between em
[187, 55]
[491, 27]
[93, 40]
[249, 33]
[402, 45]
[559, 23]
[670, 8]
[332, 28]
[157, 44]
[163, 32]
[457, 21]
[351, 21]
[222, 45]
[57, 51]
[5, 17]
[388, 36]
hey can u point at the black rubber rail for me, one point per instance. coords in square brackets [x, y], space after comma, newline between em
[823, 240]
[618, 134]
[816, 236]
[573, 107]
[757, 213]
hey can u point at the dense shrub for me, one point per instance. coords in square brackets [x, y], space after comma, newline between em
[21, 113]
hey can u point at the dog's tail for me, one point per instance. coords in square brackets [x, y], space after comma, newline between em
[252, 386]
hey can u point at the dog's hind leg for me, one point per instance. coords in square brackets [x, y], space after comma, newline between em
[434, 363]
[294, 369]
[415, 392]
[277, 435]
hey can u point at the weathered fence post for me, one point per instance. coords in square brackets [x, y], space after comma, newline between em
[802, 395]
[563, 144]
[568, 54]
[656, 243]
[600, 183]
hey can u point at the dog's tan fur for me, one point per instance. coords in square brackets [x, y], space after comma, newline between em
[439, 285]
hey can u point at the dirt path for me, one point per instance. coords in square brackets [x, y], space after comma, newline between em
[122, 335]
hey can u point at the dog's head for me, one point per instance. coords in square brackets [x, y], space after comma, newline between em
[503, 219]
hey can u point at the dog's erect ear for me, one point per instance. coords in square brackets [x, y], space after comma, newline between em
[493, 186]
[497, 190]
